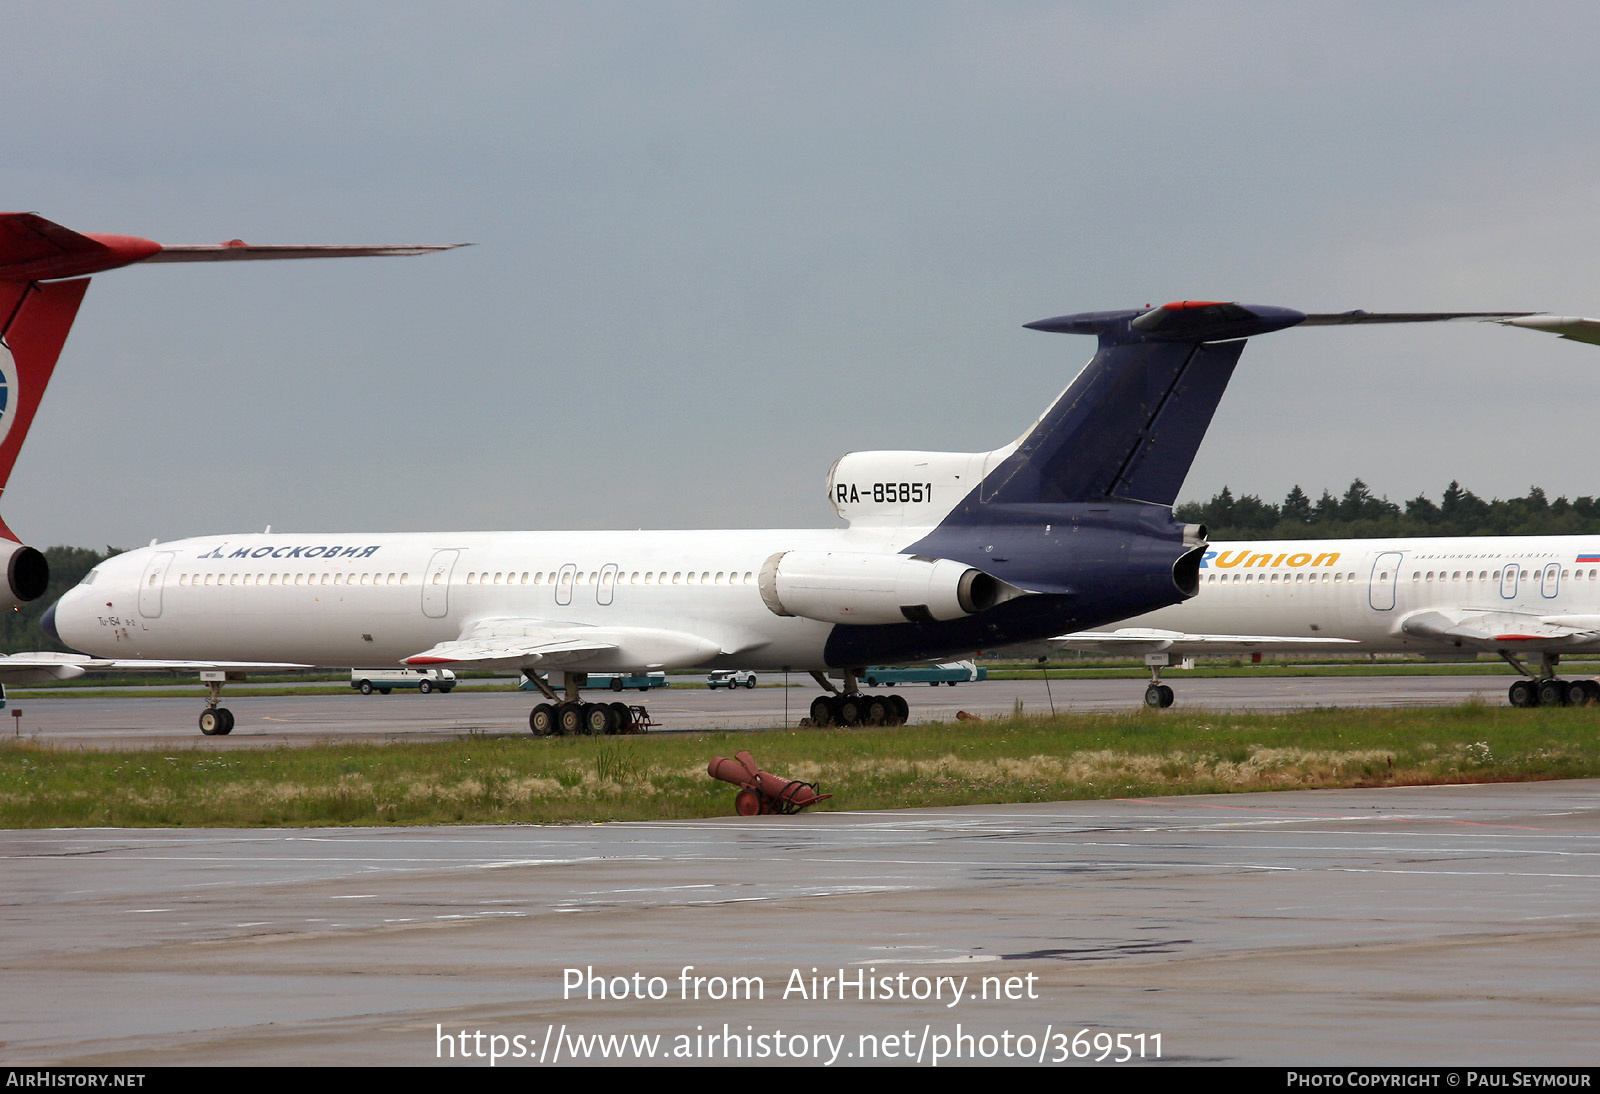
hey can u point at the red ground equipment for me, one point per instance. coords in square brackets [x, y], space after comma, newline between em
[762, 792]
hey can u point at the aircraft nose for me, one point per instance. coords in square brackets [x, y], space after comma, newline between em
[48, 622]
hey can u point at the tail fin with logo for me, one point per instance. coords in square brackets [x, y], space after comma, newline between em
[37, 308]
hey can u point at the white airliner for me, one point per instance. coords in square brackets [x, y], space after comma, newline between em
[1521, 597]
[1068, 527]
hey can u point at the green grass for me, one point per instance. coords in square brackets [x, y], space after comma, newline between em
[526, 779]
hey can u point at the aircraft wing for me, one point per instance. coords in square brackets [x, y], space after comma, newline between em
[1152, 640]
[1506, 630]
[522, 644]
[27, 668]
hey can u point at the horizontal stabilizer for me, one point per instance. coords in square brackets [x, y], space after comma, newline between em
[239, 251]
[1572, 327]
[1349, 318]
[35, 249]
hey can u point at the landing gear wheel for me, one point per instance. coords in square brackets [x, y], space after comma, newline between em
[847, 710]
[599, 719]
[542, 722]
[902, 709]
[747, 803]
[1152, 697]
[216, 721]
[1576, 694]
[822, 711]
[877, 713]
[1591, 691]
[1552, 692]
[622, 717]
[569, 719]
[1522, 694]
[425, 687]
[366, 687]
[1166, 696]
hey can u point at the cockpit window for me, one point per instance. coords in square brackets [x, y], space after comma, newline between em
[88, 578]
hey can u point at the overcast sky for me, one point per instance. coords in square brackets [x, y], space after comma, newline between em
[719, 244]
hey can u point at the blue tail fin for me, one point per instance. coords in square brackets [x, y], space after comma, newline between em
[1128, 427]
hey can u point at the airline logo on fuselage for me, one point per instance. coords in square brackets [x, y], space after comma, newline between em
[1248, 558]
[306, 551]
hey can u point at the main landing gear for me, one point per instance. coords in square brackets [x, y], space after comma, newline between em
[1157, 696]
[215, 721]
[1543, 689]
[851, 708]
[567, 716]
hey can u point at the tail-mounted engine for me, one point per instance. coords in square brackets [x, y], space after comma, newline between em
[839, 587]
[27, 574]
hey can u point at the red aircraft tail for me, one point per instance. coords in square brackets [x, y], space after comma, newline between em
[34, 320]
[37, 310]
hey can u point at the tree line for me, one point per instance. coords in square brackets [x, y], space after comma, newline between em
[1361, 514]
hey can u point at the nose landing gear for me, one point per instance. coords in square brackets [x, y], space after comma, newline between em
[215, 720]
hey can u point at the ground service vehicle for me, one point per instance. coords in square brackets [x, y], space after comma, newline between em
[951, 672]
[383, 681]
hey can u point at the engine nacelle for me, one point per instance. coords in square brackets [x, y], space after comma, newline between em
[840, 587]
[27, 573]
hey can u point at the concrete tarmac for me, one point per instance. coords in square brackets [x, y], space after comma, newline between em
[118, 720]
[1444, 925]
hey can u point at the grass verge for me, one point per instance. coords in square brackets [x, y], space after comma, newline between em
[492, 780]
